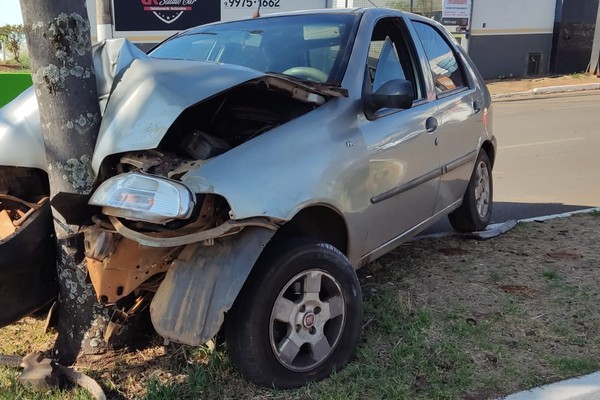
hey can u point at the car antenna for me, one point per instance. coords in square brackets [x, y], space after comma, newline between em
[257, 12]
[376, 6]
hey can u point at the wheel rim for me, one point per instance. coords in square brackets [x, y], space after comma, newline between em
[307, 320]
[482, 190]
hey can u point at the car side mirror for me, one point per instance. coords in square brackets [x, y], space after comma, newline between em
[397, 93]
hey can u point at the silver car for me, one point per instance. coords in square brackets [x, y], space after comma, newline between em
[247, 168]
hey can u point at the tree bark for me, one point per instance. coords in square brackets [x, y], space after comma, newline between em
[58, 36]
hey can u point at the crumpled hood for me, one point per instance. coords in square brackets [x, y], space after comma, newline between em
[149, 96]
[21, 143]
[140, 98]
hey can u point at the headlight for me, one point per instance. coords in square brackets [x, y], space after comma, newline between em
[141, 197]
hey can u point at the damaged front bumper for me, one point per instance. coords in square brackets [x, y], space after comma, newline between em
[27, 258]
[192, 274]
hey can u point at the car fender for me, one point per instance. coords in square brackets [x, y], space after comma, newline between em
[202, 284]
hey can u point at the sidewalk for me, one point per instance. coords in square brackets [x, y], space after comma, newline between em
[534, 86]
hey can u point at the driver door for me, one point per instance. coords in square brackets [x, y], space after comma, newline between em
[404, 167]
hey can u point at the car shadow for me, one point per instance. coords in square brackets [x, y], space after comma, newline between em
[504, 211]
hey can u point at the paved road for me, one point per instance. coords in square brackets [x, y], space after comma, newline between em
[548, 156]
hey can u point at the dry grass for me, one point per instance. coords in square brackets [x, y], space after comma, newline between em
[525, 84]
[449, 318]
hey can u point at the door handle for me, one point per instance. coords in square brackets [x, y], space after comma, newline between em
[431, 124]
[476, 107]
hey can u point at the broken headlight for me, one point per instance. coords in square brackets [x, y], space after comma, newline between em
[140, 197]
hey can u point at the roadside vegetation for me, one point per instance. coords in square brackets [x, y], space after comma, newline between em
[13, 37]
[449, 318]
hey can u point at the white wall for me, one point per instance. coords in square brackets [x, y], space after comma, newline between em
[502, 17]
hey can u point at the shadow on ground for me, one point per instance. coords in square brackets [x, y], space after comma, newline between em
[504, 211]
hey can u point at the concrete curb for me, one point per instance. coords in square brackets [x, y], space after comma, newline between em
[562, 215]
[567, 88]
[548, 90]
[501, 225]
[581, 388]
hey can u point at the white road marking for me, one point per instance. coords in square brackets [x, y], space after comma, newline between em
[516, 146]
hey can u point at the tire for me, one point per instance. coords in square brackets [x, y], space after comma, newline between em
[475, 212]
[278, 334]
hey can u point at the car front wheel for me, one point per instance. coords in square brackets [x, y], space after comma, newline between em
[298, 317]
[476, 210]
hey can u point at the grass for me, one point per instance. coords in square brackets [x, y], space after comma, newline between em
[443, 319]
[550, 275]
[12, 85]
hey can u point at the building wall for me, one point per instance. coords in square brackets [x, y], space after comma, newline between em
[506, 34]
[503, 56]
[573, 35]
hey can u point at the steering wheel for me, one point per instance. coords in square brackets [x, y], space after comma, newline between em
[309, 73]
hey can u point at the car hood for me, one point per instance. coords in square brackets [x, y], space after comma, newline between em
[21, 143]
[149, 96]
[140, 98]
[151, 93]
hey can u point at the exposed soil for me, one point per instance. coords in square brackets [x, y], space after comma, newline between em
[12, 68]
[523, 85]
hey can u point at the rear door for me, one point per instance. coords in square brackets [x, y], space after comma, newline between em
[460, 117]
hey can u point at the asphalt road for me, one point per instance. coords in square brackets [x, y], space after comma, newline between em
[548, 159]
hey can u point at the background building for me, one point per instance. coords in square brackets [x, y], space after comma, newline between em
[573, 35]
[505, 38]
[512, 37]
[147, 22]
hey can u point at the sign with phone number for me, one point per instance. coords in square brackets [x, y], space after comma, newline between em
[169, 16]
[237, 9]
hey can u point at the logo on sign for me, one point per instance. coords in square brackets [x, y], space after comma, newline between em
[168, 11]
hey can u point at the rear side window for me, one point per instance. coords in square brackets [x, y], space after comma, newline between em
[444, 64]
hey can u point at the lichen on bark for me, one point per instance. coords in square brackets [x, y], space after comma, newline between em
[79, 173]
[68, 35]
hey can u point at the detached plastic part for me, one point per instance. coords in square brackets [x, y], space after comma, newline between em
[28, 267]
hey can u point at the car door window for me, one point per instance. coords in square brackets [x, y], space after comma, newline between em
[390, 56]
[444, 64]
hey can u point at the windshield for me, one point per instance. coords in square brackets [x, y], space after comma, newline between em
[311, 47]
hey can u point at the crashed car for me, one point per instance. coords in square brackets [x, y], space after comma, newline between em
[246, 169]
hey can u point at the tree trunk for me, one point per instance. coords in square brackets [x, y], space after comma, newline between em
[58, 36]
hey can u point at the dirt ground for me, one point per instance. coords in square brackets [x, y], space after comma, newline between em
[523, 85]
[451, 318]
[8, 68]
[525, 305]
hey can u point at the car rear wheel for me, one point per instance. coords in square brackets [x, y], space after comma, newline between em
[298, 317]
[476, 210]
